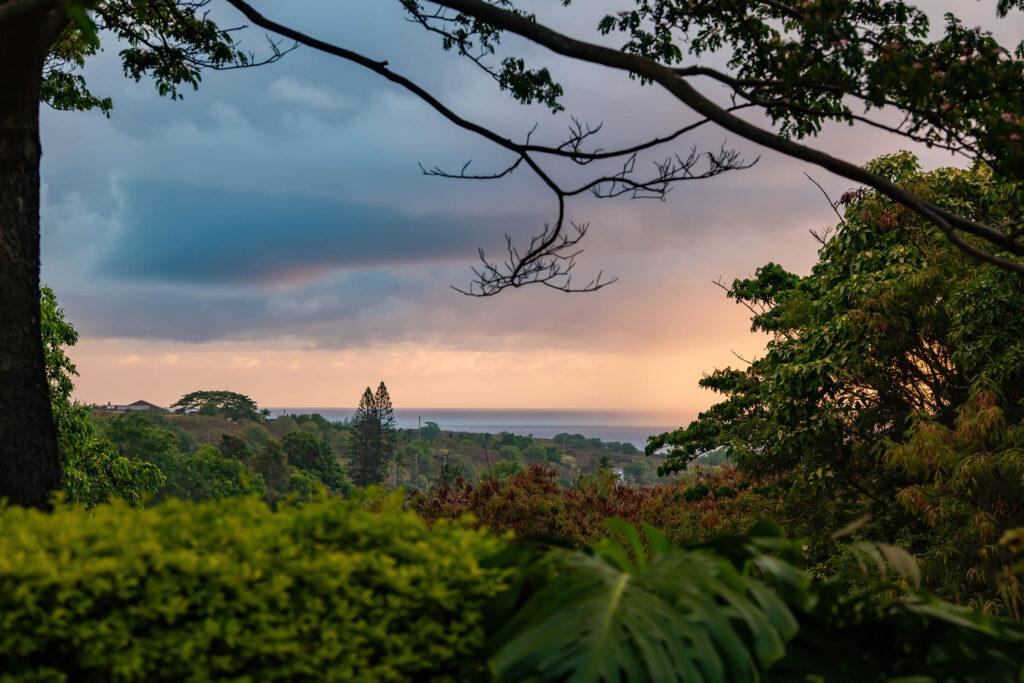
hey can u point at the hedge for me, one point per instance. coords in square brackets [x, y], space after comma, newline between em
[229, 590]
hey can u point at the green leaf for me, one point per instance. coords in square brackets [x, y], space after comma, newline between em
[77, 11]
[681, 615]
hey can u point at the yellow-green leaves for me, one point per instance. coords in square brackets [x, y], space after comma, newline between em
[230, 590]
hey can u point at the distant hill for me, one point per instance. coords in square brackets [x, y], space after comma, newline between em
[474, 453]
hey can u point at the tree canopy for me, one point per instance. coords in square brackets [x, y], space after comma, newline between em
[893, 372]
[309, 453]
[229, 404]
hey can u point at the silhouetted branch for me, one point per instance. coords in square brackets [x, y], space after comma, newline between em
[949, 223]
[549, 258]
[552, 259]
[671, 170]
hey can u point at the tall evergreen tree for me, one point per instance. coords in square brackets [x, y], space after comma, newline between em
[373, 439]
[366, 464]
[386, 433]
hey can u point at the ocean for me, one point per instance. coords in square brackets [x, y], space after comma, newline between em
[628, 426]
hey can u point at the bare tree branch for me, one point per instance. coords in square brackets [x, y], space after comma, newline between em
[549, 258]
[835, 205]
[949, 223]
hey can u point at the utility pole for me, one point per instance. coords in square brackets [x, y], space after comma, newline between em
[416, 454]
[487, 453]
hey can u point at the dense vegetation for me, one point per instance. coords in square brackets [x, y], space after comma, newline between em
[229, 404]
[534, 503]
[233, 591]
[892, 391]
[94, 470]
[229, 590]
[883, 428]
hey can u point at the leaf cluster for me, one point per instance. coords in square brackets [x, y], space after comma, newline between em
[811, 62]
[93, 471]
[170, 41]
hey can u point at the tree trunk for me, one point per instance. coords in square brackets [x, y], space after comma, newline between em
[29, 461]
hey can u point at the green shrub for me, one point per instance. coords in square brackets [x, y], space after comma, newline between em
[231, 590]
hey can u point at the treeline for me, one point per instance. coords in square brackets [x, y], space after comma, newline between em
[292, 466]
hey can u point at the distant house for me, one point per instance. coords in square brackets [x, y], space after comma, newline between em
[138, 406]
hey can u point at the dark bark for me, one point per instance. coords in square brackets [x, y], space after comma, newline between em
[29, 460]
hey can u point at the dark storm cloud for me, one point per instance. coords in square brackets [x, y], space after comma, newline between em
[202, 235]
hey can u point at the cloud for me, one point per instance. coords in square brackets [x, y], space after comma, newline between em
[291, 91]
[284, 203]
[206, 235]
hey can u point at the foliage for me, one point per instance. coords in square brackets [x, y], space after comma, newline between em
[450, 473]
[367, 464]
[58, 335]
[199, 474]
[170, 42]
[230, 590]
[417, 456]
[430, 430]
[301, 487]
[638, 608]
[805, 64]
[309, 453]
[662, 614]
[966, 485]
[578, 441]
[503, 470]
[532, 503]
[233, 465]
[212, 475]
[236, 448]
[93, 471]
[271, 463]
[229, 404]
[893, 330]
[638, 471]
[509, 452]
[386, 432]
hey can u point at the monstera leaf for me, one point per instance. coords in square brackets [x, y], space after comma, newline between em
[643, 610]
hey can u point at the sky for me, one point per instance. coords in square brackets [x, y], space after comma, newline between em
[272, 233]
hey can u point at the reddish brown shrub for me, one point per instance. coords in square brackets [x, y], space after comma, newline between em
[532, 503]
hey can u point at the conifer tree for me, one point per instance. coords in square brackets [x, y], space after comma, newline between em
[385, 428]
[366, 469]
